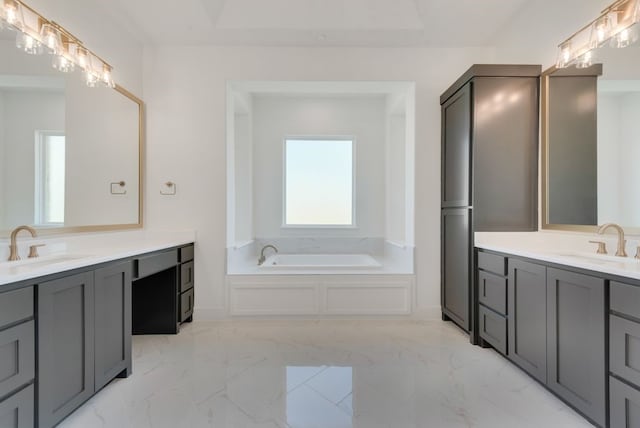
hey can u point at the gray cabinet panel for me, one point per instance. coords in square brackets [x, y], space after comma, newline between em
[17, 357]
[492, 263]
[112, 322]
[576, 343]
[186, 276]
[624, 405]
[625, 299]
[186, 305]
[65, 346]
[624, 349]
[572, 187]
[186, 254]
[527, 307]
[505, 153]
[17, 411]
[492, 291]
[456, 149]
[493, 329]
[456, 257]
[15, 306]
[154, 263]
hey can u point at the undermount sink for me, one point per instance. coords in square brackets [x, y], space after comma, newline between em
[26, 265]
[599, 258]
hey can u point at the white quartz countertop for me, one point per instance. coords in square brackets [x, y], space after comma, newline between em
[67, 253]
[568, 250]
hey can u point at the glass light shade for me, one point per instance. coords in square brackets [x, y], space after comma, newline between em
[585, 60]
[107, 78]
[28, 43]
[601, 31]
[564, 55]
[63, 64]
[82, 57]
[51, 38]
[12, 14]
[91, 78]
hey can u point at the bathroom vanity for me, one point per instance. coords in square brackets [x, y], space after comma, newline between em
[64, 335]
[570, 320]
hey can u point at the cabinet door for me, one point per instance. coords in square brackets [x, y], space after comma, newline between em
[456, 149]
[527, 308]
[112, 322]
[65, 346]
[576, 344]
[456, 259]
[17, 411]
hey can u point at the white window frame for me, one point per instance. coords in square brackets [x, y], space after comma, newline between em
[40, 156]
[354, 217]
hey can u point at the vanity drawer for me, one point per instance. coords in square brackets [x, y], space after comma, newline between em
[624, 349]
[624, 405]
[17, 357]
[625, 299]
[492, 291]
[492, 263]
[155, 263]
[186, 276]
[186, 254]
[186, 305]
[17, 411]
[493, 329]
[15, 306]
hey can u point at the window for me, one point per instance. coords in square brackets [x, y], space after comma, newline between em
[50, 176]
[319, 182]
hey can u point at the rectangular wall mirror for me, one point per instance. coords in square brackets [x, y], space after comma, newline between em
[590, 144]
[70, 155]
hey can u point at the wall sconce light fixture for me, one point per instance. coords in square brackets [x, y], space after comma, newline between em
[36, 35]
[616, 26]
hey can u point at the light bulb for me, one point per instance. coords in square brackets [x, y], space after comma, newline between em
[564, 56]
[12, 14]
[107, 79]
[91, 78]
[585, 60]
[28, 43]
[622, 39]
[63, 64]
[82, 58]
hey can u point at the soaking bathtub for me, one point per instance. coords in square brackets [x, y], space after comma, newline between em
[320, 261]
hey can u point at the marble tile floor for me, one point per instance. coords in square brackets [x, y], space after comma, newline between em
[321, 374]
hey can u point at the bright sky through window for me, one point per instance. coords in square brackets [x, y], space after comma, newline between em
[318, 182]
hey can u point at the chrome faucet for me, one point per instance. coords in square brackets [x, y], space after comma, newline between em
[620, 252]
[13, 246]
[262, 257]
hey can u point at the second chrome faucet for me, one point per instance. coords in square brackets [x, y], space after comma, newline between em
[262, 256]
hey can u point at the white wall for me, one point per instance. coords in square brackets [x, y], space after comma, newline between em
[185, 92]
[276, 117]
[243, 145]
[25, 112]
[395, 177]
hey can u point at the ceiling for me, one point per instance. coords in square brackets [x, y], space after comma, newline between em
[442, 23]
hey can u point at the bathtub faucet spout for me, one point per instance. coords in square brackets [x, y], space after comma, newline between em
[262, 257]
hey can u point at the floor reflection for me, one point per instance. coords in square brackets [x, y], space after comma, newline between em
[319, 396]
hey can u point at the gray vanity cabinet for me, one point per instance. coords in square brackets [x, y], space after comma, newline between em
[65, 346]
[489, 173]
[576, 341]
[527, 322]
[17, 411]
[112, 323]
